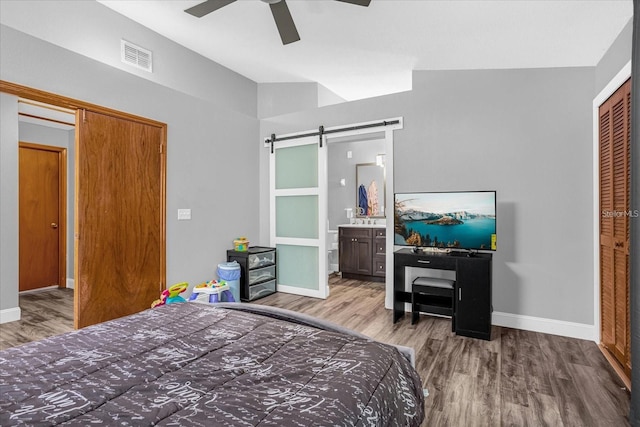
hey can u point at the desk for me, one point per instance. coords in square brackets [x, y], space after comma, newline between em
[472, 287]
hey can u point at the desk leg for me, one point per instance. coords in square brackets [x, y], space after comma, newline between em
[398, 285]
[397, 314]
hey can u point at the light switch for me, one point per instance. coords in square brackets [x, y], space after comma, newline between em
[184, 214]
[349, 154]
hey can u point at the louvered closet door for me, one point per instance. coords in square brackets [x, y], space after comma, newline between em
[615, 143]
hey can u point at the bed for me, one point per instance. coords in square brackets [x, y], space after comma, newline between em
[196, 364]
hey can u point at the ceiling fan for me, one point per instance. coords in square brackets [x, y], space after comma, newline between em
[279, 10]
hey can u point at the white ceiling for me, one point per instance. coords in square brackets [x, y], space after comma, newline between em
[360, 52]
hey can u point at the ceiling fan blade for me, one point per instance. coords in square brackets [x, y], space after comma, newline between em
[284, 22]
[364, 3]
[207, 7]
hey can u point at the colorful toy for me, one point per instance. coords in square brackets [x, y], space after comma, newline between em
[175, 291]
[241, 244]
[171, 295]
[211, 291]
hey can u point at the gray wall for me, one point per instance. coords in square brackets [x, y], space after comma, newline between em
[8, 202]
[93, 30]
[38, 134]
[614, 58]
[524, 133]
[275, 99]
[327, 97]
[202, 138]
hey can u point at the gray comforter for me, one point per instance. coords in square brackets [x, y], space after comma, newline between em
[201, 365]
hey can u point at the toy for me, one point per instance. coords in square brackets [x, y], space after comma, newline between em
[175, 291]
[211, 291]
[171, 295]
[241, 244]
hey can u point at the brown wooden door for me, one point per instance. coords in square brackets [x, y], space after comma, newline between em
[615, 143]
[120, 200]
[41, 197]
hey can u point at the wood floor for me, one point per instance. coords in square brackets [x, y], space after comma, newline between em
[519, 378]
[43, 314]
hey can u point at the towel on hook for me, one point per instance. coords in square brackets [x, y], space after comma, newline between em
[372, 195]
[363, 204]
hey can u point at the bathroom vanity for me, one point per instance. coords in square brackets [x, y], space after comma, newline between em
[362, 249]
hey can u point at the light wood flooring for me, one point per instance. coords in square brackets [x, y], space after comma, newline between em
[519, 378]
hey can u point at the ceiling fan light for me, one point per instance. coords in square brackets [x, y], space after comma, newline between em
[271, 1]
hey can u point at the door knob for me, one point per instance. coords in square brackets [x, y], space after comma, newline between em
[54, 225]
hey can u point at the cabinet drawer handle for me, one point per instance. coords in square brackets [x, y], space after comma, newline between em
[459, 294]
[423, 261]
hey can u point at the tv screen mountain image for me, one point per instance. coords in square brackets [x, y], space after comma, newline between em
[456, 220]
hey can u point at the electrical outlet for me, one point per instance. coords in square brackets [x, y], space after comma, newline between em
[184, 214]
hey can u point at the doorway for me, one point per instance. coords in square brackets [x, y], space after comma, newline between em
[319, 227]
[120, 207]
[42, 216]
[346, 159]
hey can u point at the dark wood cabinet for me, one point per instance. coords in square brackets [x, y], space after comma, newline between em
[472, 289]
[355, 250]
[362, 253]
[379, 252]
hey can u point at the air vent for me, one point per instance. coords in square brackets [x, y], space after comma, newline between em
[136, 56]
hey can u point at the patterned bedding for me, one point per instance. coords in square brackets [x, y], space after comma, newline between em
[205, 365]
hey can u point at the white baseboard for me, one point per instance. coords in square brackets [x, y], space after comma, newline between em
[547, 326]
[70, 283]
[38, 290]
[10, 315]
[299, 291]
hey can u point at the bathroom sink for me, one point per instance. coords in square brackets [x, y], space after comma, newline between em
[364, 225]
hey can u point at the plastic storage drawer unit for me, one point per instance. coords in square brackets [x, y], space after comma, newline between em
[262, 290]
[263, 259]
[258, 276]
[262, 274]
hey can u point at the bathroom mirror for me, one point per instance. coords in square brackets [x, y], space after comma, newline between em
[370, 190]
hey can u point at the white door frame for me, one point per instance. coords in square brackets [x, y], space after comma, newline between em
[335, 133]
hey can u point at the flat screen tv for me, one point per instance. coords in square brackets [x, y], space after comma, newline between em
[461, 220]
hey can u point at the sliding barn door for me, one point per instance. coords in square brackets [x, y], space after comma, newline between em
[120, 219]
[298, 181]
[615, 143]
